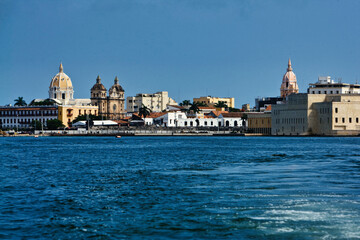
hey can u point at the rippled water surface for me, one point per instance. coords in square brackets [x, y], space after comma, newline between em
[180, 187]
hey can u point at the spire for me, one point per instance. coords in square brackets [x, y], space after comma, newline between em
[289, 69]
[116, 81]
[98, 79]
[61, 67]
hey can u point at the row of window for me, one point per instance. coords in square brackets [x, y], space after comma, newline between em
[343, 120]
[22, 121]
[28, 112]
[326, 110]
[326, 92]
[290, 121]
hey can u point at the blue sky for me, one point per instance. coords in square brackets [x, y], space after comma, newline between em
[188, 48]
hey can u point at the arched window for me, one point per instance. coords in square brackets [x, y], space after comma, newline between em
[235, 123]
[227, 123]
[191, 123]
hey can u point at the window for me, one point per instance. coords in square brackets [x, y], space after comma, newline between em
[357, 120]
[63, 96]
[313, 92]
[319, 92]
[337, 92]
[325, 92]
[343, 120]
[336, 120]
[331, 92]
[336, 110]
[350, 120]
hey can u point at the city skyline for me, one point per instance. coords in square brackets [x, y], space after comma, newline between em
[189, 48]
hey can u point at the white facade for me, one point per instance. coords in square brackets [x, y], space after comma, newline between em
[22, 117]
[325, 85]
[156, 102]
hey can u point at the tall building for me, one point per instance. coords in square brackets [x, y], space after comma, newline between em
[156, 102]
[211, 101]
[325, 85]
[289, 84]
[111, 106]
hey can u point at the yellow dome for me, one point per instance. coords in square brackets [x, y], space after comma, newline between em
[61, 80]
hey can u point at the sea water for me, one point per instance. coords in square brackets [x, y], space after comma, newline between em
[179, 188]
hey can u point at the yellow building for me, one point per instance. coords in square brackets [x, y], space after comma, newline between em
[211, 101]
[259, 122]
[68, 113]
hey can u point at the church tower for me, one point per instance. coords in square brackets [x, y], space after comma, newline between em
[116, 101]
[289, 84]
[98, 96]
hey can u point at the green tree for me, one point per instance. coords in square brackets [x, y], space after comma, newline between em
[46, 102]
[221, 104]
[194, 108]
[54, 124]
[36, 124]
[201, 104]
[144, 111]
[185, 103]
[20, 102]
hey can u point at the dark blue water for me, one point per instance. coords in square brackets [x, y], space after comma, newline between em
[179, 188]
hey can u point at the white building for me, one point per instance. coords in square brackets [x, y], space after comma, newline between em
[232, 119]
[156, 102]
[19, 117]
[325, 85]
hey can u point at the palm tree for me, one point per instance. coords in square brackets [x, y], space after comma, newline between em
[144, 111]
[221, 104]
[185, 103]
[201, 104]
[194, 108]
[20, 102]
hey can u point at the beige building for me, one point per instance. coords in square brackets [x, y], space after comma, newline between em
[211, 101]
[156, 102]
[259, 122]
[67, 113]
[111, 106]
[317, 114]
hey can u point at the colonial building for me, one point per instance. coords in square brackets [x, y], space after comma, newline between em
[156, 102]
[211, 101]
[19, 117]
[325, 85]
[111, 106]
[68, 113]
[289, 84]
[317, 114]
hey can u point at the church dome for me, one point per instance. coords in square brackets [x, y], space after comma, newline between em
[98, 85]
[289, 83]
[61, 80]
[116, 87]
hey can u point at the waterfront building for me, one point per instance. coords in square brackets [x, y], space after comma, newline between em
[259, 122]
[111, 106]
[20, 117]
[211, 101]
[325, 85]
[156, 102]
[289, 83]
[317, 114]
[68, 113]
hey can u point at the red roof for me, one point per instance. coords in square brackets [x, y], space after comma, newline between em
[232, 114]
